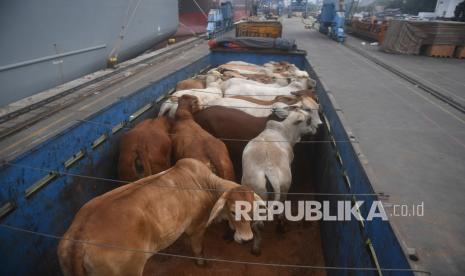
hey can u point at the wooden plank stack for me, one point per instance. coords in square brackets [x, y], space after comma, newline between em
[460, 52]
[432, 38]
[440, 51]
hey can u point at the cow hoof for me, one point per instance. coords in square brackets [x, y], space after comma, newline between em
[256, 251]
[200, 262]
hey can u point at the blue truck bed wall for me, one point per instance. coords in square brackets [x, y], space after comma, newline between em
[46, 200]
[339, 171]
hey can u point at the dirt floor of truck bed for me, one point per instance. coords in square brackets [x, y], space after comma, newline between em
[300, 245]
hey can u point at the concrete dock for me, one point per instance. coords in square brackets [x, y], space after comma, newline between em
[415, 143]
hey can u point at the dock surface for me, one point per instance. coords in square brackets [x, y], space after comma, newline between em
[414, 142]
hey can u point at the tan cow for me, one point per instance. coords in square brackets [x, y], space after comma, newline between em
[191, 141]
[145, 149]
[190, 84]
[117, 232]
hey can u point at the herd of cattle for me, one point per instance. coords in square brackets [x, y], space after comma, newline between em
[237, 123]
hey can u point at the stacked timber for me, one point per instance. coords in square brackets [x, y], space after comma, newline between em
[369, 29]
[437, 38]
[460, 52]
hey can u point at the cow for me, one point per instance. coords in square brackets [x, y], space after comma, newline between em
[235, 128]
[264, 108]
[190, 84]
[211, 92]
[252, 107]
[266, 160]
[300, 93]
[271, 72]
[265, 92]
[145, 149]
[262, 78]
[204, 96]
[117, 232]
[232, 82]
[285, 69]
[244, 68]
[191, 141]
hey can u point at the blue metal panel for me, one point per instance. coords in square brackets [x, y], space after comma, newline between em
[345, 243]
[51, 209]
[222, 57]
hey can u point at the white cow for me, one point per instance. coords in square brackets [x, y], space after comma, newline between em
[245, 68]
[254, 109]
[279, 72]
[285, 69]
[246, 88]
[212, 92]
[266, 161]
[226, 85]
[264, 108]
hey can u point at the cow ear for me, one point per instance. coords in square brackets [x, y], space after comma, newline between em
[293, 107]
[217, 208]
[311, 83]
[173, 99]
[300, 118]
[297, 93]
[298, 122]
[281, 110]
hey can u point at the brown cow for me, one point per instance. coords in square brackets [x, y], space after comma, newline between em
[289, 100]
[190, 84]
[145, 149]
[236, 126]
[117, 232]
[191, 141]
[306, 93]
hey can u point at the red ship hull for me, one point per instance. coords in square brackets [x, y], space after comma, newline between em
[193, 17]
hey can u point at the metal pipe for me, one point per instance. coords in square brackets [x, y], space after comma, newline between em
[46, 58]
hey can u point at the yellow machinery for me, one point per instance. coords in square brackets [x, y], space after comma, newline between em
[268, 28]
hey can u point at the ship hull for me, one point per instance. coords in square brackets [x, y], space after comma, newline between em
[47, 43]
[193, 17]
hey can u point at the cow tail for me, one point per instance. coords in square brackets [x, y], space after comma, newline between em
[272, 189]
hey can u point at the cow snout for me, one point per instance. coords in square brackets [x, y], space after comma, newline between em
[241, 238]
